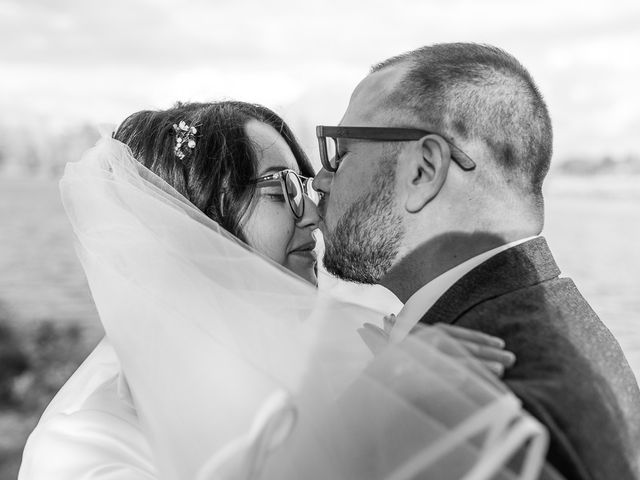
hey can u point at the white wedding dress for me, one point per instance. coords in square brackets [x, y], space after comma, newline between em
[237, 369]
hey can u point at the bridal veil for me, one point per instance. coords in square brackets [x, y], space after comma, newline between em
[240, 370]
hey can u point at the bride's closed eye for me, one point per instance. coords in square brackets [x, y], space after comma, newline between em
[274, 196]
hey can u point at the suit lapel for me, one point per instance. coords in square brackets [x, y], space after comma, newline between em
[518, 267]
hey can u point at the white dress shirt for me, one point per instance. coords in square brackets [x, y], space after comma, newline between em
[421, 301]
[375, 297]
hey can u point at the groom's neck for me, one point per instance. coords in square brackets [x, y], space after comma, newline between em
[432, 258]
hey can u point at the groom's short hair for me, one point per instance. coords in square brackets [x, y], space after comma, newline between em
[472, 91]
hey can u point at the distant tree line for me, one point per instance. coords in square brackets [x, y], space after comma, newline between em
[37, 151]
[31, 151]
[629, 164]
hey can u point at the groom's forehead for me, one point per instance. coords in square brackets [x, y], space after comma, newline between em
[368, 102]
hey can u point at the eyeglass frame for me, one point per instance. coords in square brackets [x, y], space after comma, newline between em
[382, 134]
[305, 183]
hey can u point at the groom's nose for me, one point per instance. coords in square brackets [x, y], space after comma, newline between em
[310, 217]
[322, 181]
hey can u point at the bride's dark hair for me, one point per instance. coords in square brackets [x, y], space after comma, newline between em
[223, 159]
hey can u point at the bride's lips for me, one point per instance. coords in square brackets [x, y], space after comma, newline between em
[306, 250]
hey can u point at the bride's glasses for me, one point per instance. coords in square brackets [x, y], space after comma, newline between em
[294, 188]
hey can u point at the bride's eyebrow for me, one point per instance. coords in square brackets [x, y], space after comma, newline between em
[275, 169]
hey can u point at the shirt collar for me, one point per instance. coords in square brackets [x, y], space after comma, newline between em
[422, 300]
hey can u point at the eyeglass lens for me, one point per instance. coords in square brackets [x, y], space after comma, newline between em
[296, 188]
[294, 193]
[331, 151]
[311, 192]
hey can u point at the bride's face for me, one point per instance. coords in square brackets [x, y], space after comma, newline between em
[269, 224]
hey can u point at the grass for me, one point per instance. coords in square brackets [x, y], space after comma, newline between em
[34, 363]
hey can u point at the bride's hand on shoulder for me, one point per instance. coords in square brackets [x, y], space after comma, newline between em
[487, 349]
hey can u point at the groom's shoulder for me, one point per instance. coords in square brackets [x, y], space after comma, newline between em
[551, 327]
[552, 314]
[556, 301]
[570, 370]
[555, 297]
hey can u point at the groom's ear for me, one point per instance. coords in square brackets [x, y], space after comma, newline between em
[427, 171]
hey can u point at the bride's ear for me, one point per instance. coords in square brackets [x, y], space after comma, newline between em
[426, 171]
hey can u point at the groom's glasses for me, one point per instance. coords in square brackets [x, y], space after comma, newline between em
[330, 154]
[294, 188]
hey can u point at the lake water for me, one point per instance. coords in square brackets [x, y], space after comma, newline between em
[593, 228]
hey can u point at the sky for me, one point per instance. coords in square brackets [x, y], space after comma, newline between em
[69, 61]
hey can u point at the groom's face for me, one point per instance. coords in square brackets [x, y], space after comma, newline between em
[361, 225]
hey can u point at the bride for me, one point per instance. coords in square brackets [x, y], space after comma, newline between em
[195, 227]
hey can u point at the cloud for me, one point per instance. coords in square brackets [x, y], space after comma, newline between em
[87, 60]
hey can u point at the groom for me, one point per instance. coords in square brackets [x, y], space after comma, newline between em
[442, 204]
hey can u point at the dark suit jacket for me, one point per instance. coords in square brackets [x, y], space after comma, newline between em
[570, 372]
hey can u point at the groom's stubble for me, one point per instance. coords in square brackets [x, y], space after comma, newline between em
[366, 240]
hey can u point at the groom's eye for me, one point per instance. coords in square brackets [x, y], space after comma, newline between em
[338, 158]
[340, 150]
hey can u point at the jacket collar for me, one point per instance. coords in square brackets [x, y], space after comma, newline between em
[519, 267]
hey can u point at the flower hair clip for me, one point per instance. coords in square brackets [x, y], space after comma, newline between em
[185, 139]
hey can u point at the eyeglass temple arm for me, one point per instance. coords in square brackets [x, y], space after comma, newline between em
[461, 158]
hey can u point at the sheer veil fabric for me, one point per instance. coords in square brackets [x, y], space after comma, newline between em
[240, 370]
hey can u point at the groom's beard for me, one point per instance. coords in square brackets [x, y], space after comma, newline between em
[366, 239]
